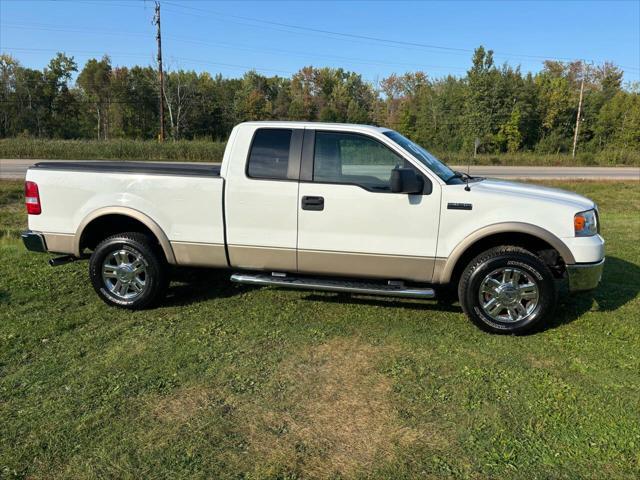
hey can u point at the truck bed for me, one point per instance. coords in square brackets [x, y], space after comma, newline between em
[183, 200]
[146, 168]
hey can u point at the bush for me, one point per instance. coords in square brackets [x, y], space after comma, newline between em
[118, 149]
[210, 151]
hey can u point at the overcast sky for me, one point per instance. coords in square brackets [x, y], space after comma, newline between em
[372, 38]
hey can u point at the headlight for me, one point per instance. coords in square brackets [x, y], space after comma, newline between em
[585, 224]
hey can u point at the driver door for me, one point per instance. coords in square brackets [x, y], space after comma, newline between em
[349, 222]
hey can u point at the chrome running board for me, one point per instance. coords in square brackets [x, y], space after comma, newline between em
[393, 289]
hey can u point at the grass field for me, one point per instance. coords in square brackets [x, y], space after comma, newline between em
[207, 151]
[226, 381]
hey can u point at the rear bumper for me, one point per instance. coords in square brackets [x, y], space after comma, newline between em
[584, 276]
[34, 241]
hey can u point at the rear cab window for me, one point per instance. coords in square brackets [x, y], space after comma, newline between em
[270, 155]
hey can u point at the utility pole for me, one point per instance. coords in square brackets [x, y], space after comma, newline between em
[575, 135]
[156, 20]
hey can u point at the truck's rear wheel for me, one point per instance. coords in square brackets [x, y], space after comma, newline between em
[128, 270]
[507, 290]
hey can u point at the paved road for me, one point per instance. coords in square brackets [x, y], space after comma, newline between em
[559, 173]
[15, 169]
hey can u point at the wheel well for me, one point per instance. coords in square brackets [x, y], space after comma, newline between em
[107, 225]
[544, 250]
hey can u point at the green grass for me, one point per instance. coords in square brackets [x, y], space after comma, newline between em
[227, 381]
[121, 149]
[208, 151]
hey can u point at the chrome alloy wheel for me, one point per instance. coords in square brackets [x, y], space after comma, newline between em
[125, 274]
[509, 294]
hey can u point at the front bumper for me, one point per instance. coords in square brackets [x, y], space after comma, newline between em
[584, 276]
[34, 241]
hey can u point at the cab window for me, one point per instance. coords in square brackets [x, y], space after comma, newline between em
[353, 159]
[269, 155]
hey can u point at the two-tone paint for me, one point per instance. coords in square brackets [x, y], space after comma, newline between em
[224, 218]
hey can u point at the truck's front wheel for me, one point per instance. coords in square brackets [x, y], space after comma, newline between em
[507, 290]
[128, 271]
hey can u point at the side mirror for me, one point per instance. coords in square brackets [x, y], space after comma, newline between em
[406, 180]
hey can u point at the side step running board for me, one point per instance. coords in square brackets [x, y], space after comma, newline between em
[333, 285]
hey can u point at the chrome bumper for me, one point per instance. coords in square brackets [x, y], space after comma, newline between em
[584, 276]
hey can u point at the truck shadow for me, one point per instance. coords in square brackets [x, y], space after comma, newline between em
[190, 285]
[359, 299]
[620, 284]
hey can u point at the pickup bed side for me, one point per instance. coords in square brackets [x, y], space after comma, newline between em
[83, 202]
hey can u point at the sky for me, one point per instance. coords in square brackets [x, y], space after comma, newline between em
[373, 38]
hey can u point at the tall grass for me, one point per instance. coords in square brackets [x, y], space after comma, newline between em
[209, 151]
[118, 149]
[607, 158]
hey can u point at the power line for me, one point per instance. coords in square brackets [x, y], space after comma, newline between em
[307, 54]
[241, 47]
[369, 37]
[180, 59]
[73, 29]
[83, 52]
[400, 43]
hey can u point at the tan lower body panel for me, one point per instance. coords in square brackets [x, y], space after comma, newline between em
[60, 242]
[439, 264]
[402, 267]
[263, 258]
[199, 254]
[308, 261]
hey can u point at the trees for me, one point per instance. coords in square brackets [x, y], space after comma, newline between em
[482, 80]
[179, 94]
[330, 95]
[38, 103]
[9, 67]
[506, 110]
[95, 81]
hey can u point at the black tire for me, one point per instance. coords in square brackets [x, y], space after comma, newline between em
[493, 263]
[139, 249]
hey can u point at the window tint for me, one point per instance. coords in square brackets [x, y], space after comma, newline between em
[269, 156]
[355, 159]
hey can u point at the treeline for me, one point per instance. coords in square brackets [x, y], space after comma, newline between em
[506, 110]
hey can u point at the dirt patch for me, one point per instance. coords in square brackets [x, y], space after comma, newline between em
[543, 363]
[182, 405]
[335, 417]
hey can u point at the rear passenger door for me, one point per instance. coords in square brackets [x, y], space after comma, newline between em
[261, 199]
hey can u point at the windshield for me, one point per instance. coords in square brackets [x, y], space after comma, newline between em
[427, 159]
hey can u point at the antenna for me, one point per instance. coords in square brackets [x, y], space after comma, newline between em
[476, 144]
[575, 134]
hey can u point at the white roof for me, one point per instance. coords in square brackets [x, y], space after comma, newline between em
[316, 125]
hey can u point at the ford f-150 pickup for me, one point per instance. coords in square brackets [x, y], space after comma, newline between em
[336, 207]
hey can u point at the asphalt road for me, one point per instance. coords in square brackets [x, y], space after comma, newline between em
[16, 169]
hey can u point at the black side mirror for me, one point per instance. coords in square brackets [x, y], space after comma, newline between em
[406, 180]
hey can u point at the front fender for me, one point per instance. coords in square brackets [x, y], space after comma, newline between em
[444, 268]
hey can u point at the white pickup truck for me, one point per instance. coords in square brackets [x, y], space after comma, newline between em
[347, 208]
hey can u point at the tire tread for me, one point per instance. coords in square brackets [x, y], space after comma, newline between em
[151, 252]
[493, 253]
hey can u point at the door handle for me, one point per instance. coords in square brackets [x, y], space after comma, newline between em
[313, 203]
